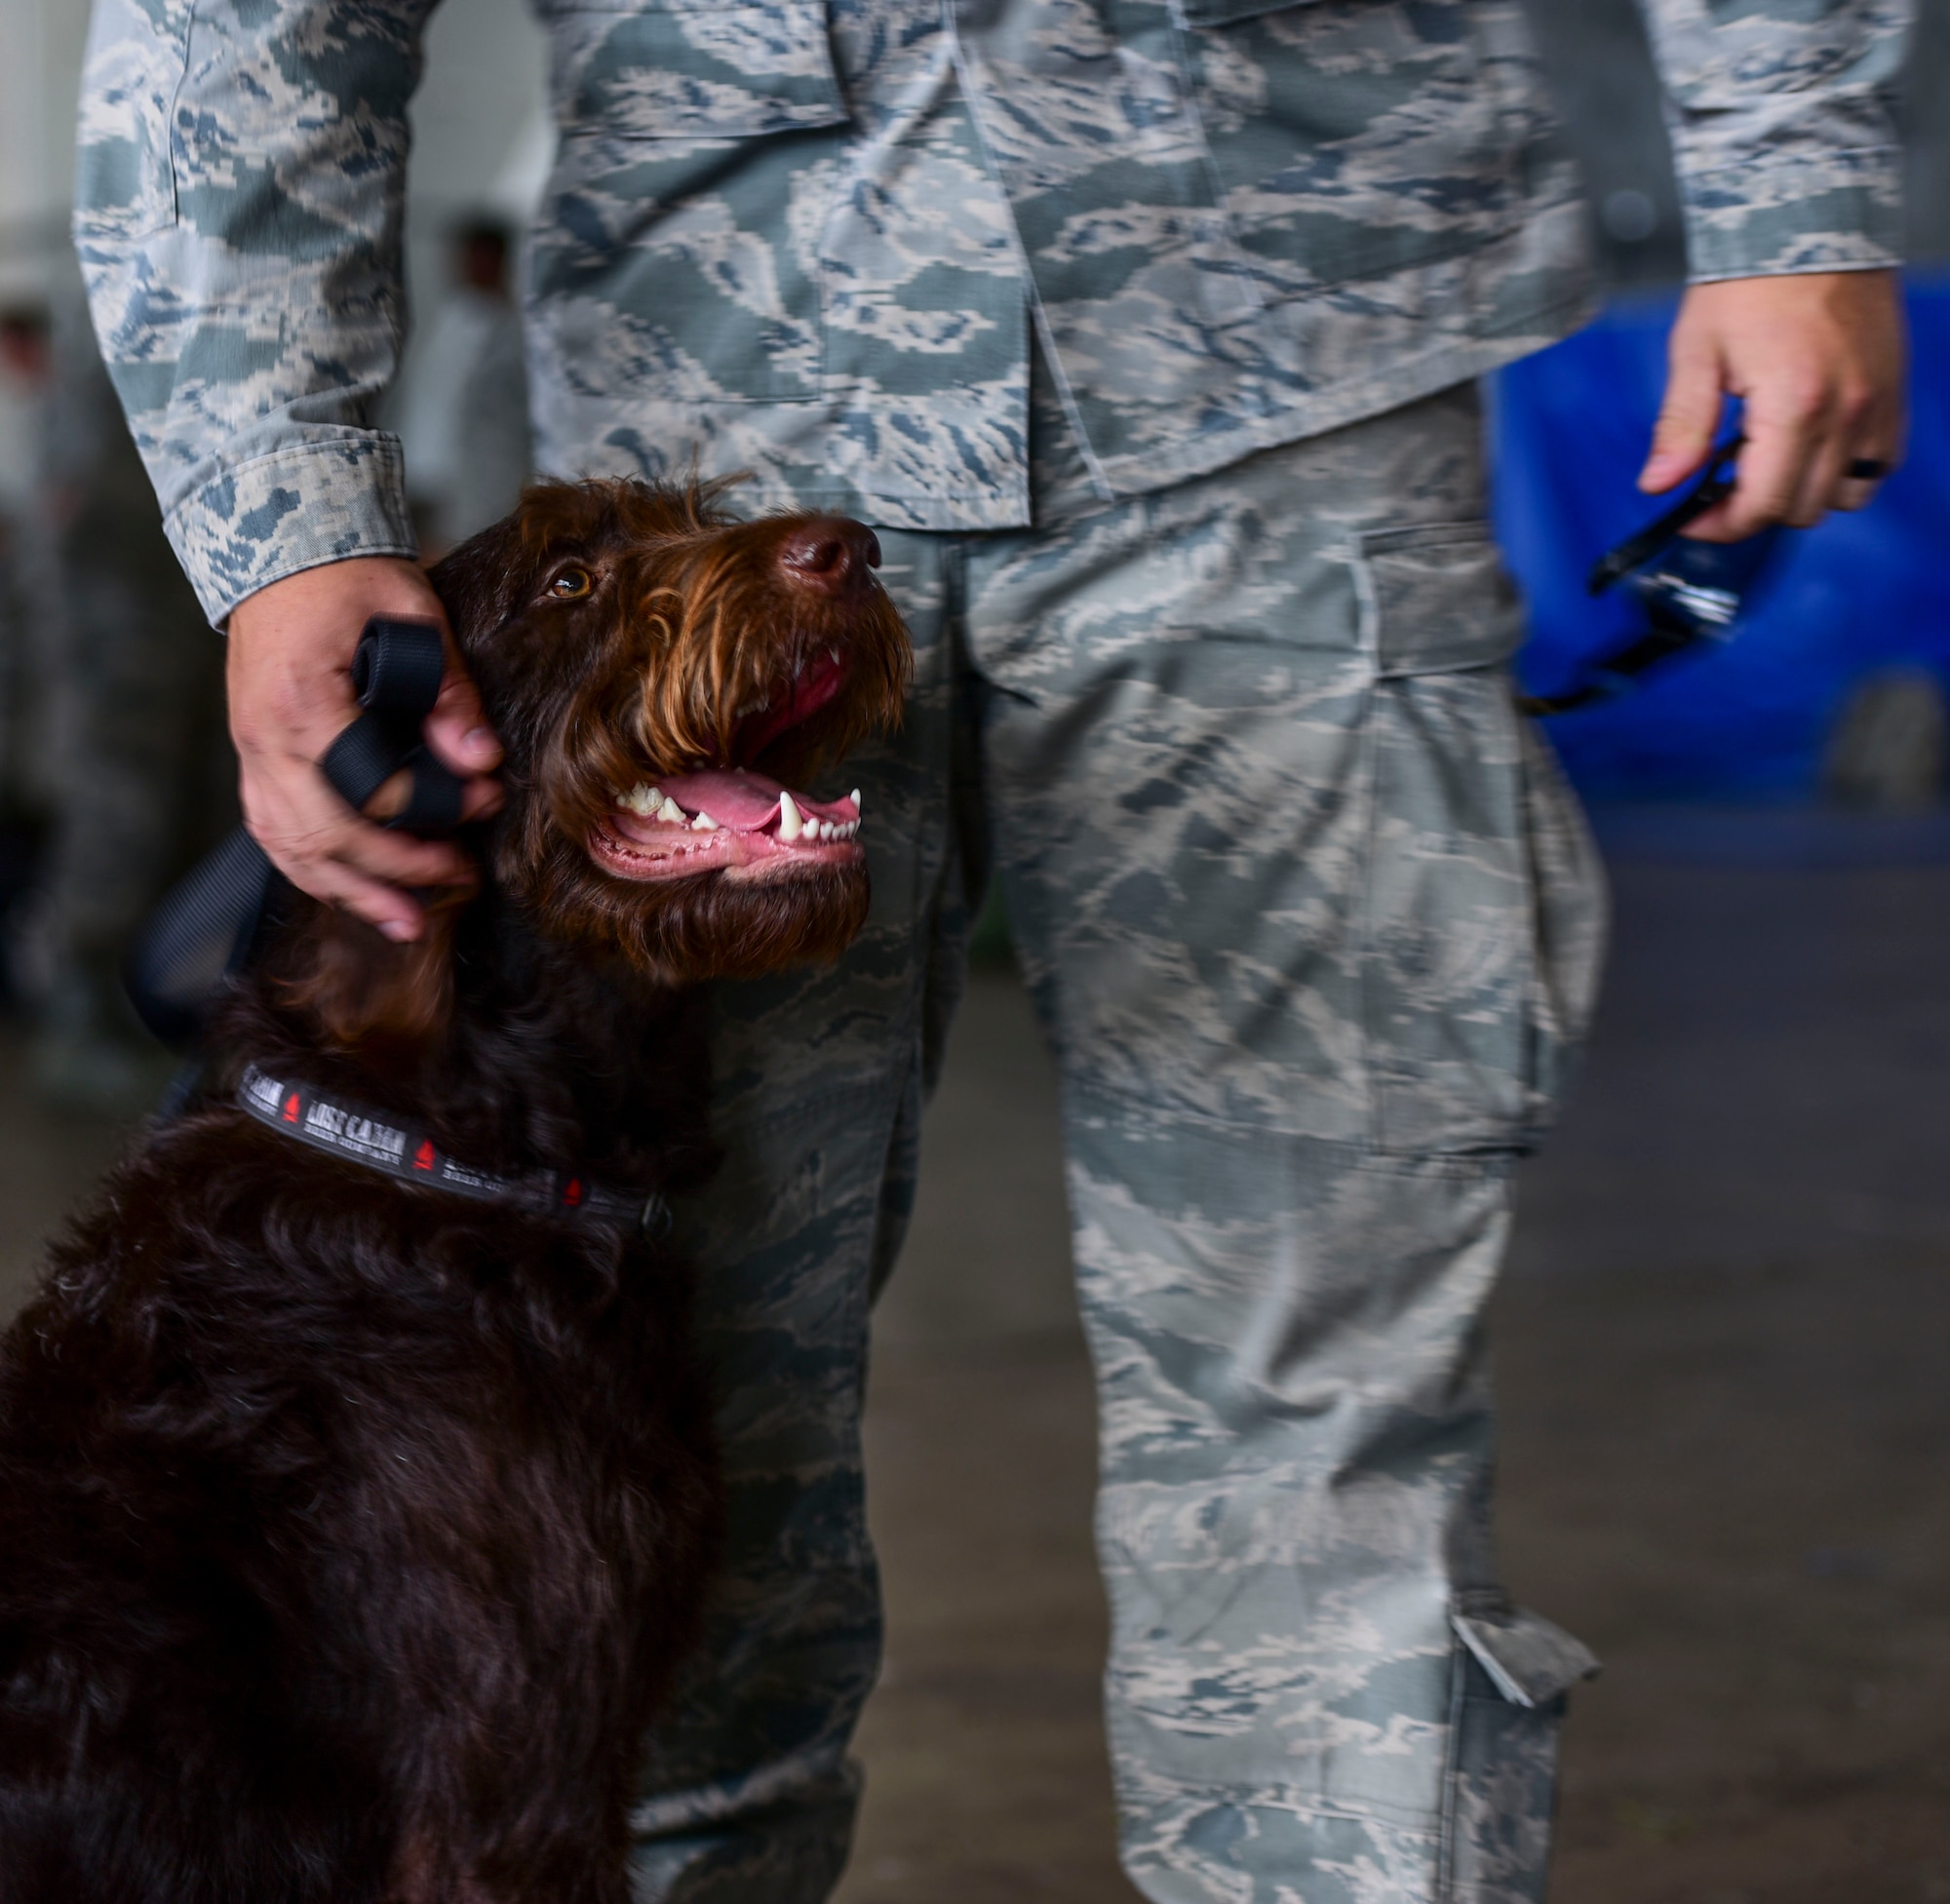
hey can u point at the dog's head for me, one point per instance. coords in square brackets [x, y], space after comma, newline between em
[668, 680]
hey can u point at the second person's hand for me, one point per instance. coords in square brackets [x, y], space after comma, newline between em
[1818, 359]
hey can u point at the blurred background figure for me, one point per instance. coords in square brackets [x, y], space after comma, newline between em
[461, 408]
[116, 692]
[27, 593]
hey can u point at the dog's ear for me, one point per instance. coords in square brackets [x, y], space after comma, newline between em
[362, 990]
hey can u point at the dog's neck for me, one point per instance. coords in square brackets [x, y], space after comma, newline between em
[546, 1057]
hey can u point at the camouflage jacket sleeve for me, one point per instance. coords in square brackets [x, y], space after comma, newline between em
[238, 205]
[1787, 154]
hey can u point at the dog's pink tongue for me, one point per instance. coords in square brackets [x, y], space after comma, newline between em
[745, 802]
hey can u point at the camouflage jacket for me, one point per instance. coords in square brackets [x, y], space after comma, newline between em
[810, 238]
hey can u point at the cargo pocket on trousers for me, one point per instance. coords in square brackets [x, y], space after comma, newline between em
[1449, 935]
[1512, 1672]
[1570, 922]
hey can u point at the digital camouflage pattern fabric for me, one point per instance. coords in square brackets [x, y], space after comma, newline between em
[1312, 926]
[812, 238]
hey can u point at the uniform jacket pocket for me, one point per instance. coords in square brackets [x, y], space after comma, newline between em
[125, 185]
[692, 68]
[1223, 13]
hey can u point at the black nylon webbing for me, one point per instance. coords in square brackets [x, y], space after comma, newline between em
[205, 928]
[361, 760]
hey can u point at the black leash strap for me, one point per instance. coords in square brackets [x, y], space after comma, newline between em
[396, 677]
[206, 927]
[399, 1151]
[1678, 617]
[1712, 488]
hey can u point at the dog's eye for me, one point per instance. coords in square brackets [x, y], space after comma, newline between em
[570, 585]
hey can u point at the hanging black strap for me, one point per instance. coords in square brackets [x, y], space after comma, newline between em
[1671, 628]
[206, 927]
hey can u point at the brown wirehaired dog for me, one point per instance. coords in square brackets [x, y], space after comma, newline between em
[350, 1525]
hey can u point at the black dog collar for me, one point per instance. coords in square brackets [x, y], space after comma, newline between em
[309, 1116]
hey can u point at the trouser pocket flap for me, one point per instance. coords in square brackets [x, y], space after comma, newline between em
[1529, 1660]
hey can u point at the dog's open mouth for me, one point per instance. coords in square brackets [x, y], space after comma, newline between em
[735, 819]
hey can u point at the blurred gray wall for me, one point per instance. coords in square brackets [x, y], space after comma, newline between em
[39, 68]
[1927, 128]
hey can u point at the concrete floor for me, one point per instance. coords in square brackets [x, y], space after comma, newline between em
[1724, 1346]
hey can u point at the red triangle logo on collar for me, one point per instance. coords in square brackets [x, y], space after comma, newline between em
[424, 1158]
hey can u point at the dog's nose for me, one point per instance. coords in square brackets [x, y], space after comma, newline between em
[830, 554]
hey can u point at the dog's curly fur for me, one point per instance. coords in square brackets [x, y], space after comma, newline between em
[349, 1530]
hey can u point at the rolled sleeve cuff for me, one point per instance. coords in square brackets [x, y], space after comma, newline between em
[334, 497]
[1839, 213]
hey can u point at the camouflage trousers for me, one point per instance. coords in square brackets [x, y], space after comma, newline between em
[1310, 923]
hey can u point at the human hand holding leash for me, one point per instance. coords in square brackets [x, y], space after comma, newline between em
[1818, 359]
[290, 696]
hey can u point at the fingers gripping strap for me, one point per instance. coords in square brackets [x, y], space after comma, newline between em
[361, 760]
[396, 674]
[205, 928]
[433, 802]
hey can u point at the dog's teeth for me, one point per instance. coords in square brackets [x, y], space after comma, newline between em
[790, 823]
[855, 797]
[640, 800]
[674, 813]
[704, 823]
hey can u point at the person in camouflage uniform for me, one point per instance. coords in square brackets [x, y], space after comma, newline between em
[1144, 334]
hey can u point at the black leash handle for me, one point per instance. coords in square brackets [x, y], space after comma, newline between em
[395, 676]
[1714, 487]
[1614, 672]
[205, 928]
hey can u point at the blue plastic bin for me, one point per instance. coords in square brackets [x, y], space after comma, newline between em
[1862, 592]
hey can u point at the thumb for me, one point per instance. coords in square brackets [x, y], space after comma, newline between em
[1687, 418]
